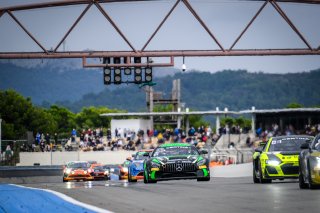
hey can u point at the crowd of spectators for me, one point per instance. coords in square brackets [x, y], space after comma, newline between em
[264, 135]
[122, 139]
[289, 130]
[128, 139]
[234, 129]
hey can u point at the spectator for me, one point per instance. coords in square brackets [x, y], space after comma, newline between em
[8, 153]
[248, 142]
[38, 138]
[55, 138]
[73, 135]
[47, 138]
[116, 132]
[42, 145]
[109, 134]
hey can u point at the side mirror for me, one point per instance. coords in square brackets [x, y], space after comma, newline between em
[147, 154]
[262, 143]
[259, 149]
[308, 141]
[305, 145]
[203, 152]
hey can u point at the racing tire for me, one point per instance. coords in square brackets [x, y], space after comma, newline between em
[130, 180]
[310, 184]
[145, 180]
[302, 184]
[129, 177]
[263, 180]
[148, 181]
[203, 179]
[254, 175]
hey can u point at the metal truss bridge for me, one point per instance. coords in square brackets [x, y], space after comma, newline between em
[142, 52]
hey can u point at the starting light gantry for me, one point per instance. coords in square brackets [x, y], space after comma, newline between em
[138, 61]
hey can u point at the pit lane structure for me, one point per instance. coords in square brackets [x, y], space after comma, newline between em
[263, 118]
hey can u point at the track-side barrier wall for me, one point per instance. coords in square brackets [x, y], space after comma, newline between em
[60, 158]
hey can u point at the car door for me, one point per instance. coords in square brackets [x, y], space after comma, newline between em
[305, 154]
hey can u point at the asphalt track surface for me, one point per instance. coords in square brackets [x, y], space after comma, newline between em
[219, 195]
[230, 190]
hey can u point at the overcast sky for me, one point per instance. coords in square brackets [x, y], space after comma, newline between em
[225, 18]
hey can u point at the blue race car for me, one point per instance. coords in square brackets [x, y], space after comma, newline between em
[135, 169]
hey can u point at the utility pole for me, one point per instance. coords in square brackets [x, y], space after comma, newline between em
[150, 89]
[0, 139]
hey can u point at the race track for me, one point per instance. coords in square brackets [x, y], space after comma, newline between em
[232, 194]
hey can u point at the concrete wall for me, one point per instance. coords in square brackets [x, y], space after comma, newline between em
[60, 158]
[132, 124]
[238, 139]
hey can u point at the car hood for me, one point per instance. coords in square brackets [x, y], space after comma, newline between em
[190, 158]
[285, 153]
[315, 154]
[137, 161]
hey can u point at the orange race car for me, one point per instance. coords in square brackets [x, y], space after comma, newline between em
[99, 172]
[77, 170]
[124, 170]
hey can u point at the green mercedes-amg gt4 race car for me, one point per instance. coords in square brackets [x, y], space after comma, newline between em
[176, 161]
[278, 158]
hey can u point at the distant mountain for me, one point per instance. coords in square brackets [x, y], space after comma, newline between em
[236, 90]
[49, 84]
[76, 87]
[55, 80]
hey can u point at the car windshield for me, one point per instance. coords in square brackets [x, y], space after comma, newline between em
[175, 150]
[316, 145]
[98, 168]
[140, 156]
[286, 144]
[77, 165]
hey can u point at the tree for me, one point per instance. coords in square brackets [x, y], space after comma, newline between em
[64, 118]
[227, 121]
[20, 116]
[197, 121]
[294, 105]
[90, 117]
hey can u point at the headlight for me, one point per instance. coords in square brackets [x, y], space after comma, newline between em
[125, 169]
[85, 172]
[318, 160]
[68, 171]
[273, 162]
[201, 162]
[154, 165]
[106, 173]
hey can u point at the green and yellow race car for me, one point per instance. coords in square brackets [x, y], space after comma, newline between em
[278, 158]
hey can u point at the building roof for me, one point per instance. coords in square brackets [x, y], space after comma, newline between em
[212, 112]
[169, 113]
[265, 111]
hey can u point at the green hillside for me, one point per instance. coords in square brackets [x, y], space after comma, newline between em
[237, 90]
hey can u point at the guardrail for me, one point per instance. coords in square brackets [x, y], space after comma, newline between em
[30, 171]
